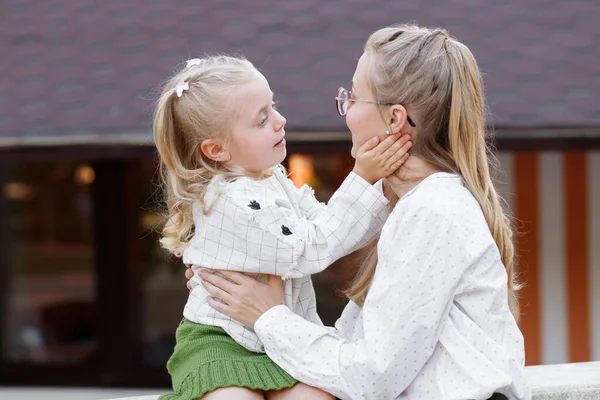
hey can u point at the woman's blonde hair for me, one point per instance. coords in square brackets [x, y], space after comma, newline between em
[181, 124]
[428, 71]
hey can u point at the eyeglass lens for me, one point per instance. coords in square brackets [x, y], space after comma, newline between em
[341, 101]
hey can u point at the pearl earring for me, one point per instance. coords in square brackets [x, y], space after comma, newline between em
[387, 131]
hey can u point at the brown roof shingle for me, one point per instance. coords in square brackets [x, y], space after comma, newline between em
[87, 68]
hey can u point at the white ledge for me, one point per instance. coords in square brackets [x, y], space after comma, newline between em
[575, 381]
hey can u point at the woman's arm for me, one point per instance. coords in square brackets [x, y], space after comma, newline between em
[405, 311]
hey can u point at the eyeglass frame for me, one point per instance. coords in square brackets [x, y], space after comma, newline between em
[339, 100]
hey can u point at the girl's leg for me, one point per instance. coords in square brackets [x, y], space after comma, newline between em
[233, 392]
[300, 391]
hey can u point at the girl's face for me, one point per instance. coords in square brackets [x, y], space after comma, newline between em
[257, 139]
[363, 119]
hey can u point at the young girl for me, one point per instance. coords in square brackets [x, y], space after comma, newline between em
[231, 207]
[433, 314]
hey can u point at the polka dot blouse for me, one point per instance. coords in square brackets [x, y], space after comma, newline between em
[436, 322]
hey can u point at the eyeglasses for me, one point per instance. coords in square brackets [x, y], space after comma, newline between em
[343, 99]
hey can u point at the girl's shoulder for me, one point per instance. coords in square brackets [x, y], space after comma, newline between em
[262, 187]
[250, 194]
[271, 182]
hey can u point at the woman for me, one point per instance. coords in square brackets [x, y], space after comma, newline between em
[433, 312]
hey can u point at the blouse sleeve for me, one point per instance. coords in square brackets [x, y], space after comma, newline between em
[404, 313]
[257, 229]
[315, 210]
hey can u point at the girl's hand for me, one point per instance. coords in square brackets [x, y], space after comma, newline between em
[376, 160]
[240, 297]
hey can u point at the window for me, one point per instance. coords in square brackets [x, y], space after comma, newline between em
[47, 249]
[163, 291]
[54, 279]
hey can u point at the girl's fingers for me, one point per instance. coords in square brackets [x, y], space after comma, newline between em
[395, 147]
[189, 274]
[385, 145]
[399, 153]
[368, 145]
[400, 162]
[394, 162]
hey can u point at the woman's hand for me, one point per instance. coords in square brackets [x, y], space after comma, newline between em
[189, 274]
[240, 297]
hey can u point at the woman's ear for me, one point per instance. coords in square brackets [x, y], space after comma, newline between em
[215, 151]
[397, 118]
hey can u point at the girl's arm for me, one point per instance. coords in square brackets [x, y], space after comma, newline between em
[255, 228]
[314, 210]
[295, 244]
[372, 163]
[271, 227]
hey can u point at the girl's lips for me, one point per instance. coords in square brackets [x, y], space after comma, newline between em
[280, 143]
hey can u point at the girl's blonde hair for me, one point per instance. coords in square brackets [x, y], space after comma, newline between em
[428, 71]
[181, 124]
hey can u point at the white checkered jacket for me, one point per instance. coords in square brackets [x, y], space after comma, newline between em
[271, 227]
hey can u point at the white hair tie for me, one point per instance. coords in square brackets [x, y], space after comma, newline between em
[192, 62]
[181, 87]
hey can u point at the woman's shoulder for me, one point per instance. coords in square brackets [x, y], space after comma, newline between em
[442, 206]
[441, 190]
[445, 197]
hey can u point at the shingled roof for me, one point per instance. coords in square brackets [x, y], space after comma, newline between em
[81, 71]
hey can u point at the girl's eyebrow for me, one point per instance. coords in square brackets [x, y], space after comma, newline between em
[266, 107]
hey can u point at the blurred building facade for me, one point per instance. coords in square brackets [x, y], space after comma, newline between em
[86, 295]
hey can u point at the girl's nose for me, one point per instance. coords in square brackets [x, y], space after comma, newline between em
[281, 121]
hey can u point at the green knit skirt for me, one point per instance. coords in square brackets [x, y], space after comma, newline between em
[207, 358]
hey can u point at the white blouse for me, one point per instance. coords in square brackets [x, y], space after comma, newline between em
[436, 322]
[271, 227]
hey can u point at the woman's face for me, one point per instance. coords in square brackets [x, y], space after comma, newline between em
[363, 119]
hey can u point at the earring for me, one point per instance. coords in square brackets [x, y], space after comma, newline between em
[387, 131]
